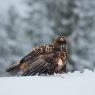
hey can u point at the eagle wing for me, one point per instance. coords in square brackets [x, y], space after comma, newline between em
[43, 65]
[28, 59]
[32, 55]
[35, 53]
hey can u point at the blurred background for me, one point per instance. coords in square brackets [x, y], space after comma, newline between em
[25, 24]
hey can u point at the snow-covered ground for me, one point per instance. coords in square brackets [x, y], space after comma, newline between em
[67, 84]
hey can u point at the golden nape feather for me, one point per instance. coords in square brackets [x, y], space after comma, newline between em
[46, 59]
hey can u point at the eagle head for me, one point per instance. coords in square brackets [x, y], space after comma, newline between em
[60, 41]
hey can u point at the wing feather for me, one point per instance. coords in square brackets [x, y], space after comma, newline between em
[36, 52]
[35, 68]
[31, 55]
[40, 66]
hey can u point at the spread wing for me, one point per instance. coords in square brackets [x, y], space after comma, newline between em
[42, 65]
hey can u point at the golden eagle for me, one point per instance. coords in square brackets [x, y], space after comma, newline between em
[46, 59]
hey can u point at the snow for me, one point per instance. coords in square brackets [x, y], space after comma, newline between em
[66, 84]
